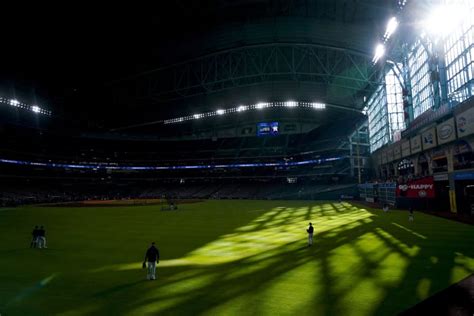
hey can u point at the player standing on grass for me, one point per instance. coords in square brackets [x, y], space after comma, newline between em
[310, 231]
[34, 241]
[410, 214]
[152, 257]
[42, 238]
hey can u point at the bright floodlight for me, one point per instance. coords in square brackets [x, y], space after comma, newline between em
[197, 116]
[291, 104]
[318, 106]
[365, 110]
[35, 109]
[220, 112]
[241, 108]
[14, 102]
[391, 27]
[444, 19]
[260, 105]
[379, 52]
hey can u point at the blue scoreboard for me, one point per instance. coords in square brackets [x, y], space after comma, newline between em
[267, 128]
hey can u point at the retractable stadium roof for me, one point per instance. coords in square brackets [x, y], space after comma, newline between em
[125, 66]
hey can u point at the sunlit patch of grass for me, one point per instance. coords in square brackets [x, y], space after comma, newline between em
[365, 294]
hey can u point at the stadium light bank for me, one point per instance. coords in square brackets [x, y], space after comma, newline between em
[20, 105]
[242, 108]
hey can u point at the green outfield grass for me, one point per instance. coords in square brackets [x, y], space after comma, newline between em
[228, 258]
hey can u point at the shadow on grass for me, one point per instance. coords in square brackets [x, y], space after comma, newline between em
[364, 263]
[118, 288]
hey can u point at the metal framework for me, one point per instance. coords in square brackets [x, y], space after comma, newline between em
[437, 70]
[359, 152]
[256, 65]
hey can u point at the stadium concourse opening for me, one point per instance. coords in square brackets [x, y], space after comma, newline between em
[238, 158]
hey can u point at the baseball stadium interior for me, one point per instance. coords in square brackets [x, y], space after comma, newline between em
[246, 112]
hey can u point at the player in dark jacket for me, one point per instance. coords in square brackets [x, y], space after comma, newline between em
[34, 241]
[152, 257]
[310, 231]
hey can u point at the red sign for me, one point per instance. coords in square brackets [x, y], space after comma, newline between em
[420, 188]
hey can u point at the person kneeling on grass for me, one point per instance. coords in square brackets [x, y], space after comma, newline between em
[152, 256]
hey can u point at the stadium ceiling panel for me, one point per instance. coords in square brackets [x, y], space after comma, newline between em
[326, 44]
[255, 65]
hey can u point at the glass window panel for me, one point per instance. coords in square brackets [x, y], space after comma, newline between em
[385, 112]
[459, 49]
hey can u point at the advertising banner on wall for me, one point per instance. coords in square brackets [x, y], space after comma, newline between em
[441, 177]
[438, 153]
[428, 139]
[419, 188]
[426, 118]
[468, 175]
[462, 147]
[415, 143]
[406, 148]
[465, 122]
[446, 132]
[397, 151]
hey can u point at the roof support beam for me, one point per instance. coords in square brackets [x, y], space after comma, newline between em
[254, 65]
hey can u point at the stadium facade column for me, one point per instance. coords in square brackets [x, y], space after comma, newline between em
[450, 159]
[416, 167]
[430, 164]
[435, 80]
[395, 169]
[407, 92]
[443, 81]
[385, 172]
[452, 193]
[452, 183]
[438, 74]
